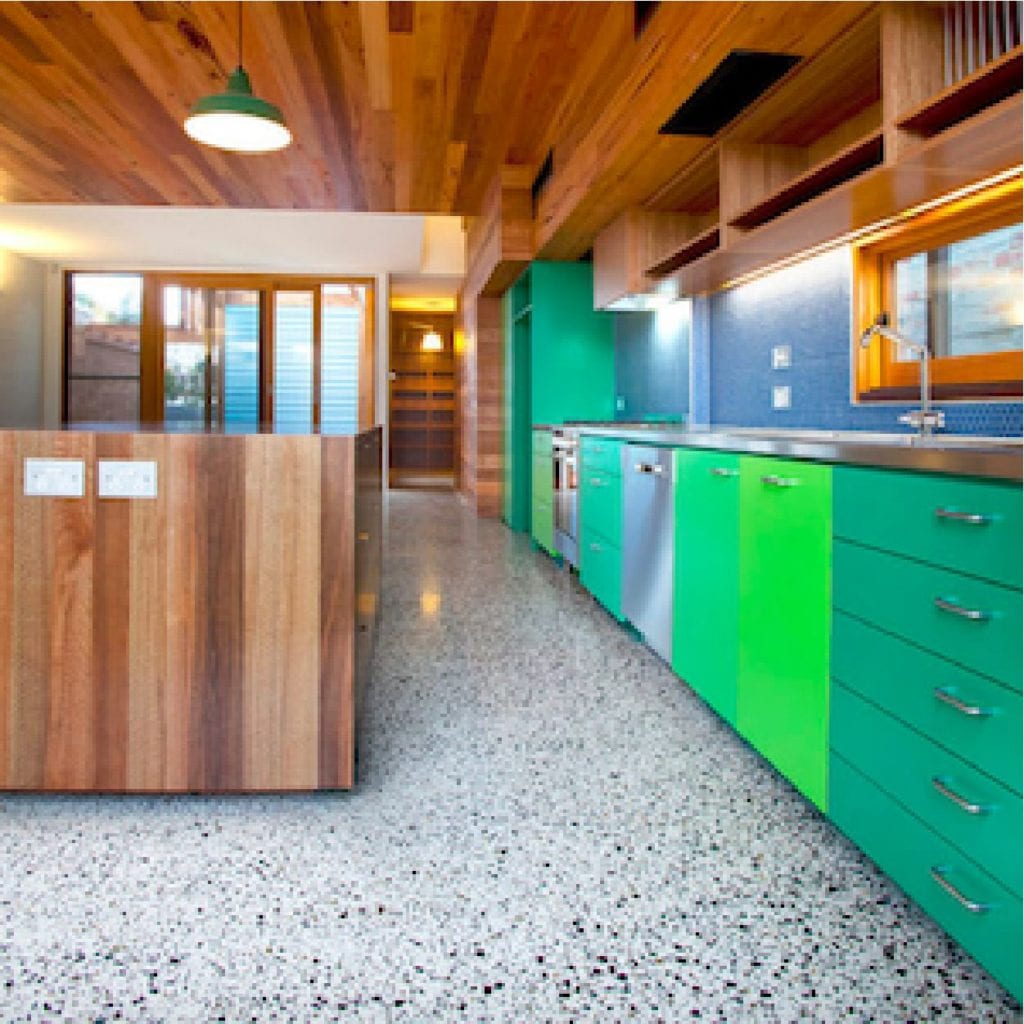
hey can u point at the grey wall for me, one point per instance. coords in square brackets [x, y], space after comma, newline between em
[21, 341]
[652, 362]
[807, 307]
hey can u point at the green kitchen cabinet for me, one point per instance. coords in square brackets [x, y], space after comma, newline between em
[559, 366]
[601, 569]
[705, 630]
[542, 519]
[516, 322]
[784, 615]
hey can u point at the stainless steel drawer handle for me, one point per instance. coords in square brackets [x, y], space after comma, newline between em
[648, 467]
[952, 608]
[971, 518]
[971, 710]
[961, 802]
[939, 877]
[722, 471]
[594, 546]
[780, 481]
[596, 481]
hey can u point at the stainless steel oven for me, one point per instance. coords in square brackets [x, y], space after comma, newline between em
[565, 448]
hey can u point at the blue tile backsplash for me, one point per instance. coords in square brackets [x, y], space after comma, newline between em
[807, 307]
[652, 363]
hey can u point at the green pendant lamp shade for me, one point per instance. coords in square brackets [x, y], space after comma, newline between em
[235, 119]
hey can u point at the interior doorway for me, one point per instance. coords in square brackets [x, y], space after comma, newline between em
[422, 400]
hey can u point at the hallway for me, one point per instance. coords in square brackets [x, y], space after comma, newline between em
[547, 825]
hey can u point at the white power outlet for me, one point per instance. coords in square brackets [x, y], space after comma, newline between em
[782, 357]
[781, 396]
[126, 479]
[55, 478]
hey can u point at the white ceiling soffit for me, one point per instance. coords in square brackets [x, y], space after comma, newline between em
[284, 241]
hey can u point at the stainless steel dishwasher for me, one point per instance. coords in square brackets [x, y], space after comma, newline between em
[648, 543]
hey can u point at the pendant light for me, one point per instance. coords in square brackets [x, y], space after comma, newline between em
[235, 119]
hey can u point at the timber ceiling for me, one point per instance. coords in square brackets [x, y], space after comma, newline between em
[394, 106]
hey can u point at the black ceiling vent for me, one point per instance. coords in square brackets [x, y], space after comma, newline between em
[642, 12]
[728, 90]
[545, 172]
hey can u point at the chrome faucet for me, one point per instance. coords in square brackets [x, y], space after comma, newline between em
[926, 419]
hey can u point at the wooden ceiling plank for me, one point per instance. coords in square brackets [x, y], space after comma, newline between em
[373, 19]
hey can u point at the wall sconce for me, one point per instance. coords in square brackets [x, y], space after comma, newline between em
[432, 342]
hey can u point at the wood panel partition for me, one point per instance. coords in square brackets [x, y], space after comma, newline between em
[203, 640]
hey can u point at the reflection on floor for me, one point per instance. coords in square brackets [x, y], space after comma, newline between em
[549, 826]
[406, 480]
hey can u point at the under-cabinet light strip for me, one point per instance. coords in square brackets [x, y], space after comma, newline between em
[866, 233]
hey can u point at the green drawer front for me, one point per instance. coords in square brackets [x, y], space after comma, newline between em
[601, 503]
[542, 442]
[600, 455]
[543, 478]
[542, 525]
[916, 514]
[900, 596]
[601, 569]
[908, 850]
[985, 730]
[905, 764]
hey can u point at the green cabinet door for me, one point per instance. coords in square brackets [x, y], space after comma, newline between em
[517, 412]
[706, 599]
[784, 614]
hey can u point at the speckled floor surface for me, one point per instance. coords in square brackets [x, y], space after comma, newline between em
[549, 826]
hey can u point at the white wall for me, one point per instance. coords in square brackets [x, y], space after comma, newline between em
[21, 341]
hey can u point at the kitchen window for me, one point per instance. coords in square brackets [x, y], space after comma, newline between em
[951, 279]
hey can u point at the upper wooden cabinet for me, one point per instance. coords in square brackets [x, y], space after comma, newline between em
[882, 120]
[625, 252]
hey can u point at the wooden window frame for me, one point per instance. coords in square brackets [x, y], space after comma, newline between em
[879, 375]
[151, 355]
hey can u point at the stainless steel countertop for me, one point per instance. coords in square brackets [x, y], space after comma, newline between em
[959, 455]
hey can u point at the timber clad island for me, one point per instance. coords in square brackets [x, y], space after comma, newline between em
[210, 639]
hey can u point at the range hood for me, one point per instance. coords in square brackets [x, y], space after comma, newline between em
[737, 81]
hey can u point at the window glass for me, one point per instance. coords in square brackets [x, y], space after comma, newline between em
[293, 362]
[343, 312]
[236, 320]
[185, 356]
[103, 348]
[963, 298]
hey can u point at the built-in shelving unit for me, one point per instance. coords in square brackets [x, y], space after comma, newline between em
[834, 170]
[988, 85]
[860, 133]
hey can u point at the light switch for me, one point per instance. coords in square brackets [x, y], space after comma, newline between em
[126, 479]
[55, 478]
[620, 403]
[782, 357]
[781, 396]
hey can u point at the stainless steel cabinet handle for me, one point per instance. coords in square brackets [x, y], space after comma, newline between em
[594, 546]
[779, 481]
[961, 802]
[971, 710]
[721, 471]
[648, 467]
[952, 608]
[971, 518]
[939, 877]
[596, 481]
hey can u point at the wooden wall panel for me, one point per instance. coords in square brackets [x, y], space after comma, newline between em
[201, 640]
[337, 615]
[282, 613]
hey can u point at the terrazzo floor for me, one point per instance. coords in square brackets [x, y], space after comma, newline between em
[549, 826]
